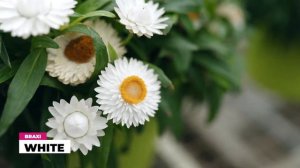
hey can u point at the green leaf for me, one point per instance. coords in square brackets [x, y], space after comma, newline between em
[44, 42]
[6, 72]
[166, 82]
[171, 105]
[53, 83]
[91, 5]
[173, 19]
[100, 155]
[112, 54]
[206, 41]
[91, 14]
[218, 70]
[182, 7]
[101, 51]
[3, 54]
[49, 160]
[23, 87]
[180, 49]
[214, 97]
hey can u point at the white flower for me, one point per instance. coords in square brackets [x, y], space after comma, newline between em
[129, 92]
[140, 17]
[233, 13]
[108, 35]
[34, 17]
[74, 62]
[77, 121]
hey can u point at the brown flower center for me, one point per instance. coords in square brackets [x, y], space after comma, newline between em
[80, 50]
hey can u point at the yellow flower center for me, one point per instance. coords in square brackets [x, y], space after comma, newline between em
[80, 50]
[133, 90]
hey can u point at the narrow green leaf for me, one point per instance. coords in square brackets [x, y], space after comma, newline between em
[112, 54]
[173, 19]
[99, 13]
[91, 5]
[219, 70]
[182, 7]
[53, 83]
[101, 51]
[6, 72]
[23, 87]
[43, 42]
[166, 82]
[3, 53]
[100, 155]
[214, 98]
[49, 160]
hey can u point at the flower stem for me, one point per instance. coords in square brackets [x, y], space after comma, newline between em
[128, 39]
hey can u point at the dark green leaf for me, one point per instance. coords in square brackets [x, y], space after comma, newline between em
[182, 6]
[91, 5]
[49, 160]
[218, 70]
[166, 82]
[100, 155]
[43, 42]
[3, 53]
[214, 98]
[171, 105]
[173, 19]
[101, 51]
[88, 15]
[6, 72]
[53, 83]
[23, 87]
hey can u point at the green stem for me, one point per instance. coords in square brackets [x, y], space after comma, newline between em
[128, 39]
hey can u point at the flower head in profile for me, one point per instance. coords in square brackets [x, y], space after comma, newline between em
[128, 92]
[140, 17]
[77, 121]
[24, 18]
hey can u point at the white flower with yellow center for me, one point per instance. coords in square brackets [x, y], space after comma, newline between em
[140, 17]
[74, 62]
[24, 18]
[108, 34]
[128, 92]
[77, 121]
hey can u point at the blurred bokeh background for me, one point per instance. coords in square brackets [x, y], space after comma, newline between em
[259, 125]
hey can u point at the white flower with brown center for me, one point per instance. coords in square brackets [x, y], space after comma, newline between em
[128, 92]
[74, 62]
[24, 18]
[77, 121]
[140, 17]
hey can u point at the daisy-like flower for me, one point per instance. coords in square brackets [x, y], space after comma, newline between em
[140, 17]
[24, 18]
[128, 92]
[108, 35]
[77, 121]
[74, 62]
